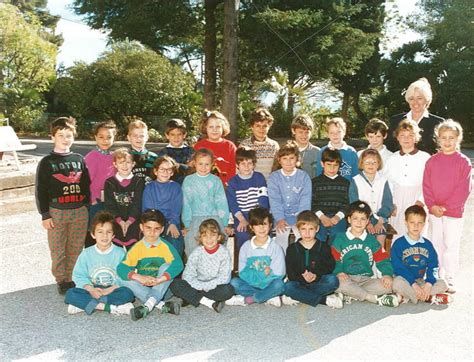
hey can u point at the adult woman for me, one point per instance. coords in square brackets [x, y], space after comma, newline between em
[418, 97]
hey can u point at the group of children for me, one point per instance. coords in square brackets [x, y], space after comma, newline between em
[148, 212]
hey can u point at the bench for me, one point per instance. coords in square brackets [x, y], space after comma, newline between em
[9, 142]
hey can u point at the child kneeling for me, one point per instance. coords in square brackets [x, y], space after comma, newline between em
[150, 266]
[206, 276]
[355, 252]
[97, 283]
[261, 265]
[415, 263]
[309, 265]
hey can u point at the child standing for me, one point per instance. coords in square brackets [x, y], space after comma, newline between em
[99, 162]
[330, 196]
[165, 195]
[246, 190]
[372, 187]
[260, 122]
[446, 187]
[62, 195]
[97, 283]
[177, 149]
[289, 190]
[376, 132]
[355, 252]
[405, 174]
[203, 198]
[215, 126]
[301, 128]
[138, 137]
[415, 263]
[261, 265]
[336, 128]
[150, 266]
[123, 199]
[309, 265]
[206, 276]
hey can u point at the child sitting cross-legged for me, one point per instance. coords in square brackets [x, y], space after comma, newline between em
[98, 286]
[355, 252]
[150, 266]
[309, 265]
[261, 265]
[206, 276]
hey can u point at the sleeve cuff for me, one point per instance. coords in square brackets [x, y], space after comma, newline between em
[130, 275]
[340, 214]
[319, 213]
[167, 275]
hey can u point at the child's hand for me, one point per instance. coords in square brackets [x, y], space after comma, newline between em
[343, 277]
[229, 231]
[173, 230]
[387, 281]
[370, 228]
[334, 220]
[109, 290]
[95, 293]
[48, 224]
[267, 270]
[184, 231]
[242, 227]
[145, 280]
[379, 227]
[394, 211]
[308, 276]
[419, 292]
[437, 211]
[326, 221]
[281, 226]
[419, 203]
[427, 289]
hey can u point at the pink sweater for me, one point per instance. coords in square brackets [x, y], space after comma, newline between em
[100, 168]
[447, 182]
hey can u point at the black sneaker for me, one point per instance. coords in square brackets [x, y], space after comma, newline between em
[184, 304]
[139, 312]
[63, 287]
[218, 306]
[171, 307]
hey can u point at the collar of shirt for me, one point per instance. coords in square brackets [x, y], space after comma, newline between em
[170, 146]
[409, 153]
[104, 252]
[413, 242]
[264, 246]
[344, 146]
[134, 151]
[331, 177]
[291, 174]
[409, 116]
[245, 177]
[351, 236]
[254, 140]
[302, 149]
[377, 176]
[120, 178]
[152, 245]
[103, 152]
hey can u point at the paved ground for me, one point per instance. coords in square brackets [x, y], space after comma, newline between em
[34, 323]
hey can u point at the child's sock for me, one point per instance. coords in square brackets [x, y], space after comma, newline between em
[150, 303]
[249, 300]
[372, 298]
[207, 302]
[107, 307]
[160, 305]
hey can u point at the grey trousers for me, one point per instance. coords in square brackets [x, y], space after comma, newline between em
[359, 286]
[402, 287]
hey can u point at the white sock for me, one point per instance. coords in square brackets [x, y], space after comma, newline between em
[113, 308]
[207, 302]
[150, 303]
[160, 305]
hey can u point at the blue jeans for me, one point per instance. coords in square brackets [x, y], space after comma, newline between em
[275, 288]
[328, 234]
[143, 292]
[81, 298]
[313, 293]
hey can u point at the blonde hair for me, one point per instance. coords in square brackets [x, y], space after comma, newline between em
[410, 126]
[449, 125]
[370, 152]
[137, 123]
[211, 226]
[338, 122]
[121, 153]
[207, 115]
[423, 86]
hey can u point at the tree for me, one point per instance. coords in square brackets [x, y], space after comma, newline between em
[27, 62]
[128, 80]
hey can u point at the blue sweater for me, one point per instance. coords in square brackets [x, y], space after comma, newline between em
[349, 166]
[289, 195]
[414, 260]
[166, 197]
[98, 268]
[245, 194]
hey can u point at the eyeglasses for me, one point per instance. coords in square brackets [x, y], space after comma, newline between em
[165, 170]
[370, 163]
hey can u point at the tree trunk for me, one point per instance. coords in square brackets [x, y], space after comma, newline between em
[358, 111]
[230, 89]
[345, 106]
[210, 45]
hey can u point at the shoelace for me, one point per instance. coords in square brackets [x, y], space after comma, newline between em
[436, 300]
[348, 300]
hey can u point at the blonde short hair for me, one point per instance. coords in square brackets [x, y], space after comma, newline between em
[207, 115]
[121, 153]
[370, 152]
[338, 122]
[411, 126]
[449, 125]
[423, 86]
[137, 123]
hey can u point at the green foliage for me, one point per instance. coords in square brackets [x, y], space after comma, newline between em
[27, 63]
[125, 81]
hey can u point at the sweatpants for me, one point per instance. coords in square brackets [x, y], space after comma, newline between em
[359, 286]
[182, 289]
[81, 298]
[402, 287]
[66, 240]
[445, 234]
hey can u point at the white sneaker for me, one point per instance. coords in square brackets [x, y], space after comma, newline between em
[286, 300]
[71, 309]
[275, 301]
[334, 301]
[122, 309]
[349, 300]
[236, 300]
